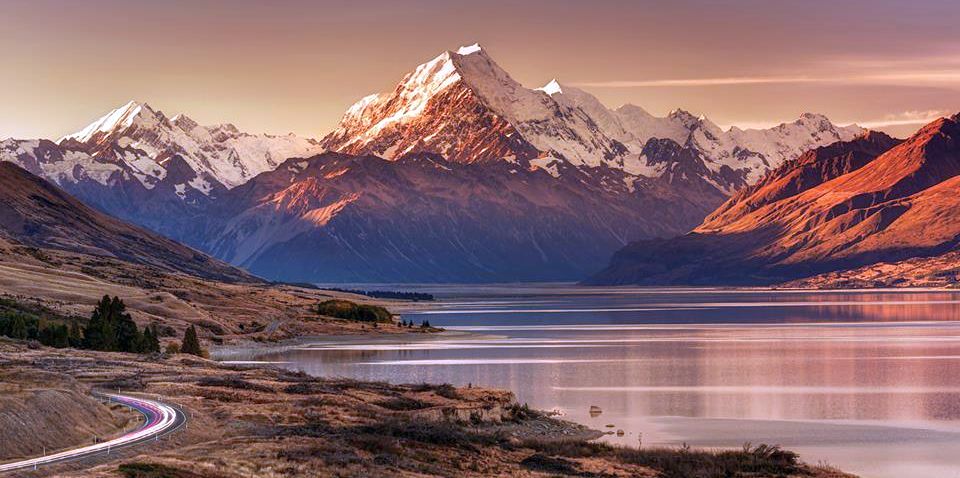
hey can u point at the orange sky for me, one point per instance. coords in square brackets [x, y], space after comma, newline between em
[295, 65]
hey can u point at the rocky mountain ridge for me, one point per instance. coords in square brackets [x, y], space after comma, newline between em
[464, 107]
[848, 205]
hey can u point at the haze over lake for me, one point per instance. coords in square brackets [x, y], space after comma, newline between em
[866, 381]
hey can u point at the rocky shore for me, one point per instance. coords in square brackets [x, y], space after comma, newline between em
[257, 422]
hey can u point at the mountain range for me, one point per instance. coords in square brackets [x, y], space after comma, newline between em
[458, 174]
[38, 215]
[844, 206]
[462, 106]
[140, 165]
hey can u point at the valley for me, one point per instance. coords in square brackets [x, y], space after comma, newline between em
[632, 245]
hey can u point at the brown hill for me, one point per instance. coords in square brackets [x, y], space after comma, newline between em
[343, 218]
[36, 213]
[839, 207]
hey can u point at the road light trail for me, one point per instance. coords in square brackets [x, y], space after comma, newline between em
[160, 419]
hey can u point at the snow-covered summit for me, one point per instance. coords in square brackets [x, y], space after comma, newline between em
[551, 88]
[141, 140]
[469, 49]
[123, 117]
[411, 118]
[464, 106]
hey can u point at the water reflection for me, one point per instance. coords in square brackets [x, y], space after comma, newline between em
[862, 380]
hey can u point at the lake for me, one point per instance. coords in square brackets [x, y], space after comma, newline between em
[868, 381]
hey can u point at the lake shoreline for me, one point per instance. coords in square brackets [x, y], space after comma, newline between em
[258, 421]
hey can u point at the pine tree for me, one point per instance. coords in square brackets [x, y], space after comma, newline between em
[129, 339]
[150, 342]
[54, 335]
[18, 329]
[112, 329]
[191, 344]
[75, 336]
[99, 333]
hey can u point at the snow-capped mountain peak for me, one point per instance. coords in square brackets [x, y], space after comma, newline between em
[465, 107]
[469, 49]
[131, 113]
[551, 88]
[184, 122]
[136, 141]
[425, 112]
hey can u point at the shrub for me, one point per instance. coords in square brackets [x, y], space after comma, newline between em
[191, 343]
[554, 466]
[401, 403]
[23, 321]
[111, 329]
[233, 382]
[763, 460]
[344, 309]
[154, 470]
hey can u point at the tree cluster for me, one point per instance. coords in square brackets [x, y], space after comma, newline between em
[25, 323]
[111, 329]
[344, 309]
[387, 294]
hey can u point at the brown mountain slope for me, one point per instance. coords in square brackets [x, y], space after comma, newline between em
[839, 207]
[36, 213]
[419, 218]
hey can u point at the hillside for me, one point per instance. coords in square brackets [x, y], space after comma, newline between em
[849, 205]
[38, 214]
[420, 218]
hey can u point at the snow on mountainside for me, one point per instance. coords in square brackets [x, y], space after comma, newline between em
[420, 218]
[463, 106]
[865, 204]
[158, 172]
[144, 139]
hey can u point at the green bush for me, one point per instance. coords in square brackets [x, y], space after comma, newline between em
[344, 309]
[33, 322]
[110, 328]
[154, 470]
[191, 343]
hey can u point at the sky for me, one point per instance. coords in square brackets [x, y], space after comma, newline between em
[295, 66]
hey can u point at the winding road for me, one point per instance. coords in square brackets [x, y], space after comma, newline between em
[160, 419]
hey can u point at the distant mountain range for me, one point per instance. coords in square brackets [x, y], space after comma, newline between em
[37, 214]
[462, 106]
[458, 174]
[844, 206]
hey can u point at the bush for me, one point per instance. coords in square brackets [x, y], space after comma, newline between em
[434, 433]
[34, 322]
[233, 382]
[154, 470]
[344, 309]
[401, 403]
[191, 343]
[387, 294]
[551, 465]
[762, 460]
[111, 329]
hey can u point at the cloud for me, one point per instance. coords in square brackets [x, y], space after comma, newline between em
[698, 82]
[905, 119]
[949, 77]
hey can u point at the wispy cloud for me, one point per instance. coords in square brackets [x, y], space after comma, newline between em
[743, 80]
[905, 118]
[950, 77]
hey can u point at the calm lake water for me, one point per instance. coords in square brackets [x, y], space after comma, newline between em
[866, 381]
